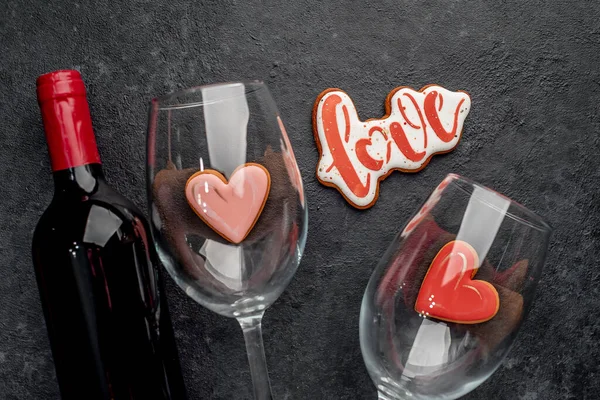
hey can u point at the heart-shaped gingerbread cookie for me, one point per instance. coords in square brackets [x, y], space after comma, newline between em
[230, 208]
[450, 293]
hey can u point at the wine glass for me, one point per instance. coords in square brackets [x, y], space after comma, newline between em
[227, 204]
[447, 299]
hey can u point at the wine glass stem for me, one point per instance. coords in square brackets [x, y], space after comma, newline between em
[251, 325]
[382, 396]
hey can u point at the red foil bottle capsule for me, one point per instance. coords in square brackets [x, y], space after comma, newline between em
[67, 120]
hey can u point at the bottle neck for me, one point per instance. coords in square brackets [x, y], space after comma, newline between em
[67, 120]
[78, 181]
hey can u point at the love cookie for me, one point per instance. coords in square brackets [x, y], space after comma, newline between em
[355, 155]
[450, 293]
[231, 208]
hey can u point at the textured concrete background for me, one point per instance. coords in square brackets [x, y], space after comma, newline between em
[531, 68]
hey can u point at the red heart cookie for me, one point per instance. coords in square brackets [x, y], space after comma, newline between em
[450, 293]
[230, 208]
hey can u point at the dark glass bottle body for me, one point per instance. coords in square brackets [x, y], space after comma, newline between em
[107, 318]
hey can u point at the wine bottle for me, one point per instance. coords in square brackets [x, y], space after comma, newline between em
[96, 268]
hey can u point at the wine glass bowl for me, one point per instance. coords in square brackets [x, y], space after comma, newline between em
[226, 197]
[447, 299]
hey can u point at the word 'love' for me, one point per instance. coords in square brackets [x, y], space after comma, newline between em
[356, 155]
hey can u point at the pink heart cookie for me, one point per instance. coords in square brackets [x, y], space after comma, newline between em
[230, 208]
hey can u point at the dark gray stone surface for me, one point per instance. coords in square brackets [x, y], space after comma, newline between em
[531, 67]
